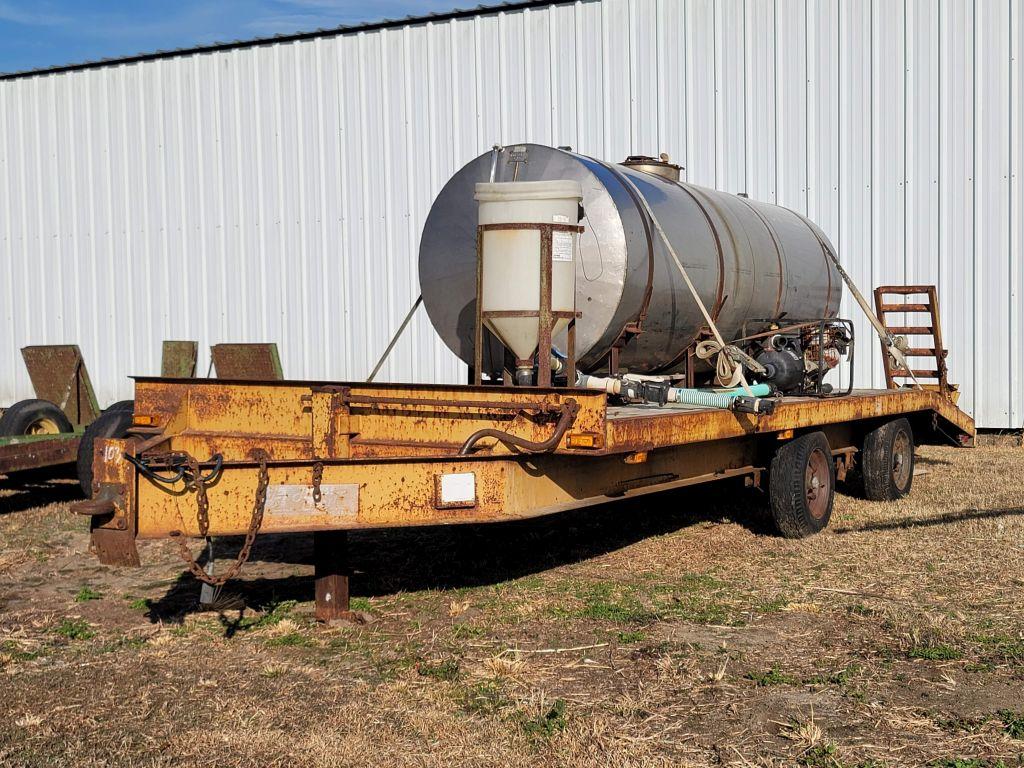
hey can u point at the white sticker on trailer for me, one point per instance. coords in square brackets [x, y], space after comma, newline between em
[561, 246]
[458, 488]
[341, 500]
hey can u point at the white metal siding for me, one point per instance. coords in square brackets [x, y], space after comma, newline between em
[277, 192]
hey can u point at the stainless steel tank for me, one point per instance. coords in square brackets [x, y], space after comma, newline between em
[748, 260]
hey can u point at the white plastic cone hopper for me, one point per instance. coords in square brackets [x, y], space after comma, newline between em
[511, 270]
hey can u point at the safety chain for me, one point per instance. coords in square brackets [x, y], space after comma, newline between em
[318, 476]
[202, 502]
[203, 519]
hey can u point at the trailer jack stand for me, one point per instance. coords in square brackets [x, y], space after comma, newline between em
[207, 592]
[331, 572]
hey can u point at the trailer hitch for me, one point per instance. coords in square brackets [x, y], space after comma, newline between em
[103, 502]
[111, 510]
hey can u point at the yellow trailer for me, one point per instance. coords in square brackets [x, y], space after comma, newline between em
[504, 273]
[217, 458]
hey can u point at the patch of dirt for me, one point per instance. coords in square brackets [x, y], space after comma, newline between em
[670, 630]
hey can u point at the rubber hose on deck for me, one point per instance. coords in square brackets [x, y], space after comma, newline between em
[709, 399]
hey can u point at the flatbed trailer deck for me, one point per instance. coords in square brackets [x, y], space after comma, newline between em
[217, 458]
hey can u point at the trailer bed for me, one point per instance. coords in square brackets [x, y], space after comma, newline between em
[291, 456]
[674, 423]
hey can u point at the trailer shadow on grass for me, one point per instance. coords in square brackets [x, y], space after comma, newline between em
[931, 461]
[386, 562]
[945, 518]
[36, 488]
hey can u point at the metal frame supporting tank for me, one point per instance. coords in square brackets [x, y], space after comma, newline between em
[748, 260]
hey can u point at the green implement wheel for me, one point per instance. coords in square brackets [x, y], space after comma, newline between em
[34, 417]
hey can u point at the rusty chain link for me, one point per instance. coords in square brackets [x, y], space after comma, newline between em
[318, 476]
[203, 519]
[202, 502]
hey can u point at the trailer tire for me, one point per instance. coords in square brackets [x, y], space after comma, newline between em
[802, 485]
[34, 417]
[113, 422]
[887, 461]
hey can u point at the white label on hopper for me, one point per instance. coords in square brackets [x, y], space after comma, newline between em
[561, 246]
[560, 218]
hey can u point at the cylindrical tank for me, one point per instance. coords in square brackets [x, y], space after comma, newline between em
[748, 260]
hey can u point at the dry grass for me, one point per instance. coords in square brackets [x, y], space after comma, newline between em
[507, 664]
[669, 632]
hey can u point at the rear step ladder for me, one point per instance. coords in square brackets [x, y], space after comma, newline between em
[885, 305]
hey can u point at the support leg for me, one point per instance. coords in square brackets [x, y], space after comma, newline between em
[330, 558]
[208, 593]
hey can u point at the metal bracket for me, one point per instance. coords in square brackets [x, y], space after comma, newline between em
[178, 359]
[246, 362]
[113, 536]
[59, 375]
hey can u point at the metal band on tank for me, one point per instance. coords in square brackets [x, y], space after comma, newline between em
[778, 252]
[716, 310]
[824, 253]
[828, 269]
[645, 303]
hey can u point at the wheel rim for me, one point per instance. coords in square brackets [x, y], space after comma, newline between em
[817, 482]
[902, 458]
[43, 426]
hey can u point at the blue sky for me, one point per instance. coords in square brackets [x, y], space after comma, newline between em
[43, 33]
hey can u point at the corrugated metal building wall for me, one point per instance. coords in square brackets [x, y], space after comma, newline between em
[275, 192]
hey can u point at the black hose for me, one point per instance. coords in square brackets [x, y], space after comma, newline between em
[179, 469]
[569, 410]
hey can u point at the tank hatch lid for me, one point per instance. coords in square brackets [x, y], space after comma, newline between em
[659, 166]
